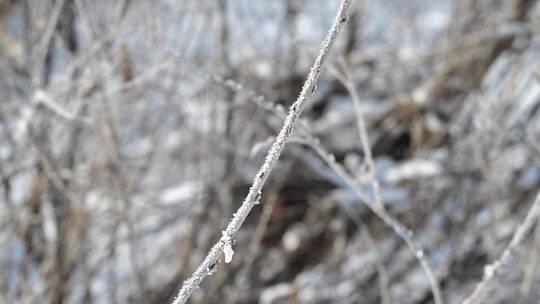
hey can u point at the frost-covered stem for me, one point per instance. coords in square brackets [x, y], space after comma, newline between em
[490, 271]
[376, 206]
[346, 80]
[403, 232]
[285, 133]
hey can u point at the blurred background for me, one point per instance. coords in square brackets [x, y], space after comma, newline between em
[130, 132]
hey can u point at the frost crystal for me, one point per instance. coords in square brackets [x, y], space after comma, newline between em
[227, 247]
[489, 271]
[227, 250]
[258, 198]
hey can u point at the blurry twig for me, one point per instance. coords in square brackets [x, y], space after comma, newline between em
[403, 232]
[258, 99]
[347, 81]
[490, 271]
[43, 98]
[386, 297]
[43, 46]
[532, 262]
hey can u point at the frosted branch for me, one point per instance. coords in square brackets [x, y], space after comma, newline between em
[273, 155]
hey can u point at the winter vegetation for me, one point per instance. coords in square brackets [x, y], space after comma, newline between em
[288, 151]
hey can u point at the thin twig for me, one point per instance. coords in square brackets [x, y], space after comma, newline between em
[532, 263]
[46, 38]
[491, 271]
[41, 97]
[258, 99]
[207, 266]
[403, 232]
[346, 80]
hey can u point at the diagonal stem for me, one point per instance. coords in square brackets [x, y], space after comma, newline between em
[207, 266]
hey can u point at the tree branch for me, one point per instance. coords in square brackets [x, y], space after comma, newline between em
[208, 265]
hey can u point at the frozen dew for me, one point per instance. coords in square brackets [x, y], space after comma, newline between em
[227, 250]
[258, 198]
[489, 271]
[226, 245]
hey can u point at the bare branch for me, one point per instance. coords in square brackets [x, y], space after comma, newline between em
[295, 110]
